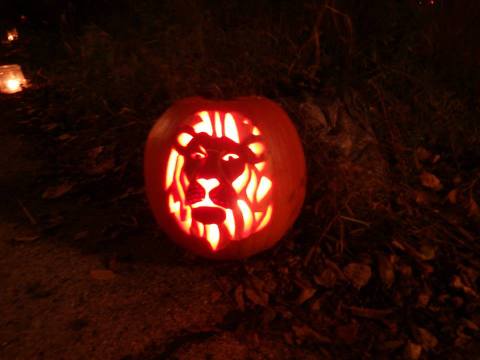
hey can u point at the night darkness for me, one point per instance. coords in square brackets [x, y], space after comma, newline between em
[383, 259]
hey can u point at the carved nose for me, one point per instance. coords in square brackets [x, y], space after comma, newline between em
[208, 184]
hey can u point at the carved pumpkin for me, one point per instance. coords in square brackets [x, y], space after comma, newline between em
[225, 179]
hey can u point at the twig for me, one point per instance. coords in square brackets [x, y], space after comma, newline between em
[27, 213]
[348, 218]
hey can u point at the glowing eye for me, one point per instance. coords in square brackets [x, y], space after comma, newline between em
[198, 155]
[228, 157]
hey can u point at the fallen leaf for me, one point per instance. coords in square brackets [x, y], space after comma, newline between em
[305, 295]
[425, 338]
[453, 196]
[53, 222]
[462, 339]
[332, 265]
[257, 297]
[49, 126]
[427, 251]
[101, 167]
[305, 332]
[55, 192]
[412, 351]
[457, 283]
[424, 298]
[327, 278]
[65, 137]
[26, 234]
[288, 337]
[422, 198]
[102, 274]
[26, 237]
[430, 181]
[471, 325]
[473, 209]
[386, 270]
[93, 153]
[423, 154]
[358, 274]
[391, 344]
[314, 115]
[80, 235]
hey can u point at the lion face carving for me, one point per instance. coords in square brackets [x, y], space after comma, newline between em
[217, 178]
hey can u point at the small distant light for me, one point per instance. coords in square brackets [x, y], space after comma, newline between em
[12, 79]
[13, 85]
[12, 35]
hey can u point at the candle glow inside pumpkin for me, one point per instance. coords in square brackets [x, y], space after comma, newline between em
[218, 179]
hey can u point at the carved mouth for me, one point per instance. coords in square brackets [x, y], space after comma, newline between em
[209, 214]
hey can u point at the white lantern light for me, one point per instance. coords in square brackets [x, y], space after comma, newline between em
[12, 79]
[11, 35]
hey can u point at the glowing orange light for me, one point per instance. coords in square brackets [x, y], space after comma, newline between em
[13, 85]
[187, 223]
[178, 171]
[218, 125]
[240, 182]
[260, 166]
[208, 184]
[252, 186]
[257, 148]
[231, 130]
[200, 229]
[213, 235]
[263, 188]
[205, 125]
[185, 181]
[230, 222]
[251, 211]
[266, 219]
[173, 205]
[171, 164]
[184, 139]
[247, 216]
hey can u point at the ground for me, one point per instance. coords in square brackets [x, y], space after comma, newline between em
[383, 261]
[59, 301]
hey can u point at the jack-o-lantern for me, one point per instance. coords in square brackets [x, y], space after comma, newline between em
[225, 179]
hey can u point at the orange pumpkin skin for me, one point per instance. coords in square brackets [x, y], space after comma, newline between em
[179, 134]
